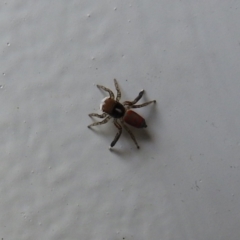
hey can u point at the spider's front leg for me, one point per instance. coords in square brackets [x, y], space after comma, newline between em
[118, 90]
[107, 90]
[100, 123]
[103, 115]
[118, 126]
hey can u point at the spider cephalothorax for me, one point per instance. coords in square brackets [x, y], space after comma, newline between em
[112, 108]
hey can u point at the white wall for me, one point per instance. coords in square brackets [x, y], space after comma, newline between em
[58, 178]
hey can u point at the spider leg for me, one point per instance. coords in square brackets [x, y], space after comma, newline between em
[130, 103]
[118, 133]
[143, 104]
[131, 134]
[118, 90]
[100, 123]
[107, 90]
[103, 115]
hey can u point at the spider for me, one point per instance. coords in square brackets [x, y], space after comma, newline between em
[112, 108]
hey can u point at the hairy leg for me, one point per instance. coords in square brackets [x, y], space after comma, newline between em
[103, 115]
[100, 123]
[143, 104]
[118, 90]
[118, 126]
[131, 134]
[107, 90]
[130, 103]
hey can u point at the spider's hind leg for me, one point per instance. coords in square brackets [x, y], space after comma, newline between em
[130, 103]
[118, 126]
[131, 134]
[143, 104]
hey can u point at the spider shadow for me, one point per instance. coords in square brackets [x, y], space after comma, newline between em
[124, 153]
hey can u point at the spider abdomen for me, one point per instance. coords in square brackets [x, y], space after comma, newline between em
[134, 119]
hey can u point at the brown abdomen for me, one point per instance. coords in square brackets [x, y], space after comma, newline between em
[134, 119]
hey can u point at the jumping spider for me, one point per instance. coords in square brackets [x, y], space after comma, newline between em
[112, 108]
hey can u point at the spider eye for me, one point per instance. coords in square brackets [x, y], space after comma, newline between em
[118, 110]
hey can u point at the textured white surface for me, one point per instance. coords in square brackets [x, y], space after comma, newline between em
[58, 178]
